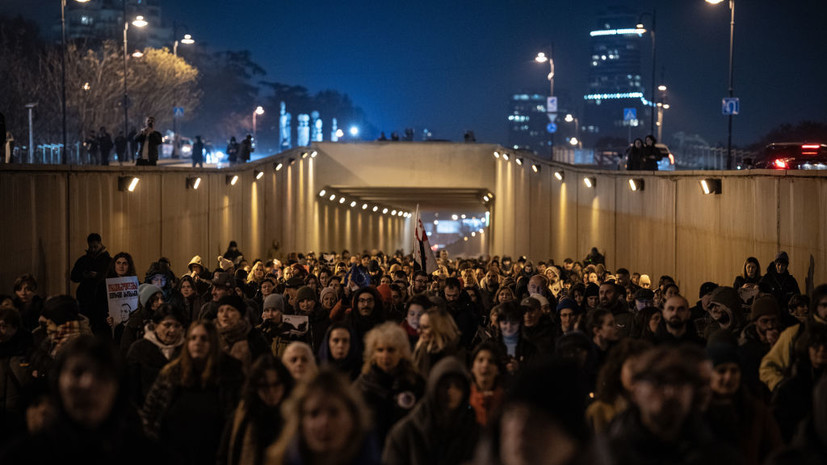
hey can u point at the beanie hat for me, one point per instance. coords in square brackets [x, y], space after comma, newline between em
[721, 351]
[224, 280]
[728, 297]
[644, 294]
[764, 306]
[224, 264]
[274, 301]
[385, 291]
[146, 291]
[782, 257]
[592, 290]
[61, 308]
[305, 293]
[707, 288]
[326, 291]
[196, 260]
[234, 301]
[568, 303]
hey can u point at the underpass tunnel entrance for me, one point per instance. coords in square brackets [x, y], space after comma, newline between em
[457, 220]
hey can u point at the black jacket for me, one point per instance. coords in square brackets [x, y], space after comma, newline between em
[390, 396]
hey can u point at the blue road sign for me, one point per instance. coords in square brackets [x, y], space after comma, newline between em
[551, 128]
[178, 111]
[730, 106]
[629, 114]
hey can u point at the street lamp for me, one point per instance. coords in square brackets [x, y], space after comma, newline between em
[574, 140]
[258, 111]
[731, 88]
[139, 21]
[641, 29]
[662, 105]
[542, 58]
[63, 157]
[176, 138]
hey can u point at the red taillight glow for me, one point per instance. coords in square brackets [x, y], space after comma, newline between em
[780, 164]
[813, 146]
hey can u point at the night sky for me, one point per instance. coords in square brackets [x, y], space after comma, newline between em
[451, 65]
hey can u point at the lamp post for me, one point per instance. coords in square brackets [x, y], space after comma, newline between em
[187, 40]
[662, 106]
[652, 34]
[138, 22]
[731, 87]
[543, 58]
[576, 139]
[258, 111]
[63, 157]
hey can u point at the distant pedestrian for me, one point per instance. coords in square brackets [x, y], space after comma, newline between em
[104, 146]
[133, 144]
[635, 155]
[198, 152]
[232, 151]
[148, 142]
[120, 147]
[245, 149]
[651, 154]
[91, 145]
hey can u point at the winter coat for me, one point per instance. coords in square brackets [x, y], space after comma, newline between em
[431, 434]
[89, 263]
[144, 360]
[746, 424]
[651, 157]
[390, 396]
[152, 141]
[13, 380]
[635, 158]
[779, 360]
[248, 434]
[792, 400]
[350, 365]
[782, 286]
[664, 337]
[465, 316]
[750, 352]
[31, 313]
[542, 335]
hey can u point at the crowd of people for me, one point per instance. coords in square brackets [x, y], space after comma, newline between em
[340, 358]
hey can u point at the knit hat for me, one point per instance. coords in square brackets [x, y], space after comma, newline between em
[385, 291]
[592, 290]
[782, 257]
[196, 260]
[764, 306]
[224, 264]
[60, 309]
[326, 291]
[234, 301]
[722, 351]
[224, 280]
[274, 301]
[530, 303]
[707, 288]
[146, 291]
[567, 303]
[728, 297]
[305, 293]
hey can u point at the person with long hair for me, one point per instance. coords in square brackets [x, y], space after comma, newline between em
[487, 388]
[257, 421]
[438, 338]
[326, 423]
[193, 301]
[341, 351]
[27, 302]
[389, 381]
[192, 397]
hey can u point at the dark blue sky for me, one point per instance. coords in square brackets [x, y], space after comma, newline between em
[450, 65]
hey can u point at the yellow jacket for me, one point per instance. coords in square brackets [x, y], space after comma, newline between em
[777, 360]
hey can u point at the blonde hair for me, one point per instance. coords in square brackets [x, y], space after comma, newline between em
[444, 331]
[251, 276]
[308, 352]
[390, 333]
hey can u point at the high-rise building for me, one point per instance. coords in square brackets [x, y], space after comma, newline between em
[615, 89]
[527, 122]
[101, 20]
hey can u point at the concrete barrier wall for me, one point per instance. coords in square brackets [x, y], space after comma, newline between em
[670, 227]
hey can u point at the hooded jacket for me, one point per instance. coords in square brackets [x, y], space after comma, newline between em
[352, 363]
[432, 434]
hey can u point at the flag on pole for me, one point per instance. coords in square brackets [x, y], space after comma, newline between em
[422, 253]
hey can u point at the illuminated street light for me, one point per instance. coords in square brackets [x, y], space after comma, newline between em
[662, 88]
[138, 22]
[731, 87]
[354, 131]
[257, 112]
[573, 141]
[187, 40]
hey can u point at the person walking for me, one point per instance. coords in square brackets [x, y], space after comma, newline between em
[198, 152]
[232, 151]
[245, 149]
[635, 155]
[148, 142]
[92, 148]
[120, 147]
[104, 146]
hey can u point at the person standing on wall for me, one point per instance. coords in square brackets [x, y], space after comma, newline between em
[148, 142]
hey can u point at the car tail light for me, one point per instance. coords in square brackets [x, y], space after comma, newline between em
[810, 149]
[811, 146]
[780, 164]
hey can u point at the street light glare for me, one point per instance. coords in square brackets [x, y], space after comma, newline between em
[259, 110]
[573, 141]
[139, 22]
[137, 54]
[714, 2]
[541, 58]
[354, 131]
[569, 118]
[662, 88]
[187, 40]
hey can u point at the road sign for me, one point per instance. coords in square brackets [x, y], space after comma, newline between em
[551, 105]
[551, 128]
[178, 111]
[730, 106]
[629, 114]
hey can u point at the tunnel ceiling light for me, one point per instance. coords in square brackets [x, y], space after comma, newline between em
[559, 175]
[364, 206]
[352, 204]
[193, 182]
[332, 197]
[375, 208]
[127, 183]
[536, 168]
[393, 212]
[401, 213]
[465, 239]
[305, 155]
[384, 211]
[589, 182]
[322, 193]
[231, 179]
[505, 156]
[636, 184]
[490, 195]
[485, 198]
[711, 186]
[291, 161]
[463, 216]
[342, 200]
[278, 166]
[313, 154]
[496, 154]
[259, 174]
[436, 222]
[519, 161]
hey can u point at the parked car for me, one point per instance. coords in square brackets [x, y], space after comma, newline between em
[793, 156]
[185, 147]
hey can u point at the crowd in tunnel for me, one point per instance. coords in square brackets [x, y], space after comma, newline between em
[365, 358]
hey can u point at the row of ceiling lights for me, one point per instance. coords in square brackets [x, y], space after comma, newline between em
[505, 156]
[708, 185]
[341, 199]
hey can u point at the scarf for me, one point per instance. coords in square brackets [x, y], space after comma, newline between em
[65, 333]
[234, 343]
[166, 349]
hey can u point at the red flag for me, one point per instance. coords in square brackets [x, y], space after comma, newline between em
[422, 253]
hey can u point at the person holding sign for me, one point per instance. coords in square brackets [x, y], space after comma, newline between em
[108, 309]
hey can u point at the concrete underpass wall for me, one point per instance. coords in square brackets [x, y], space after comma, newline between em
[48, 212]
[669, 228]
